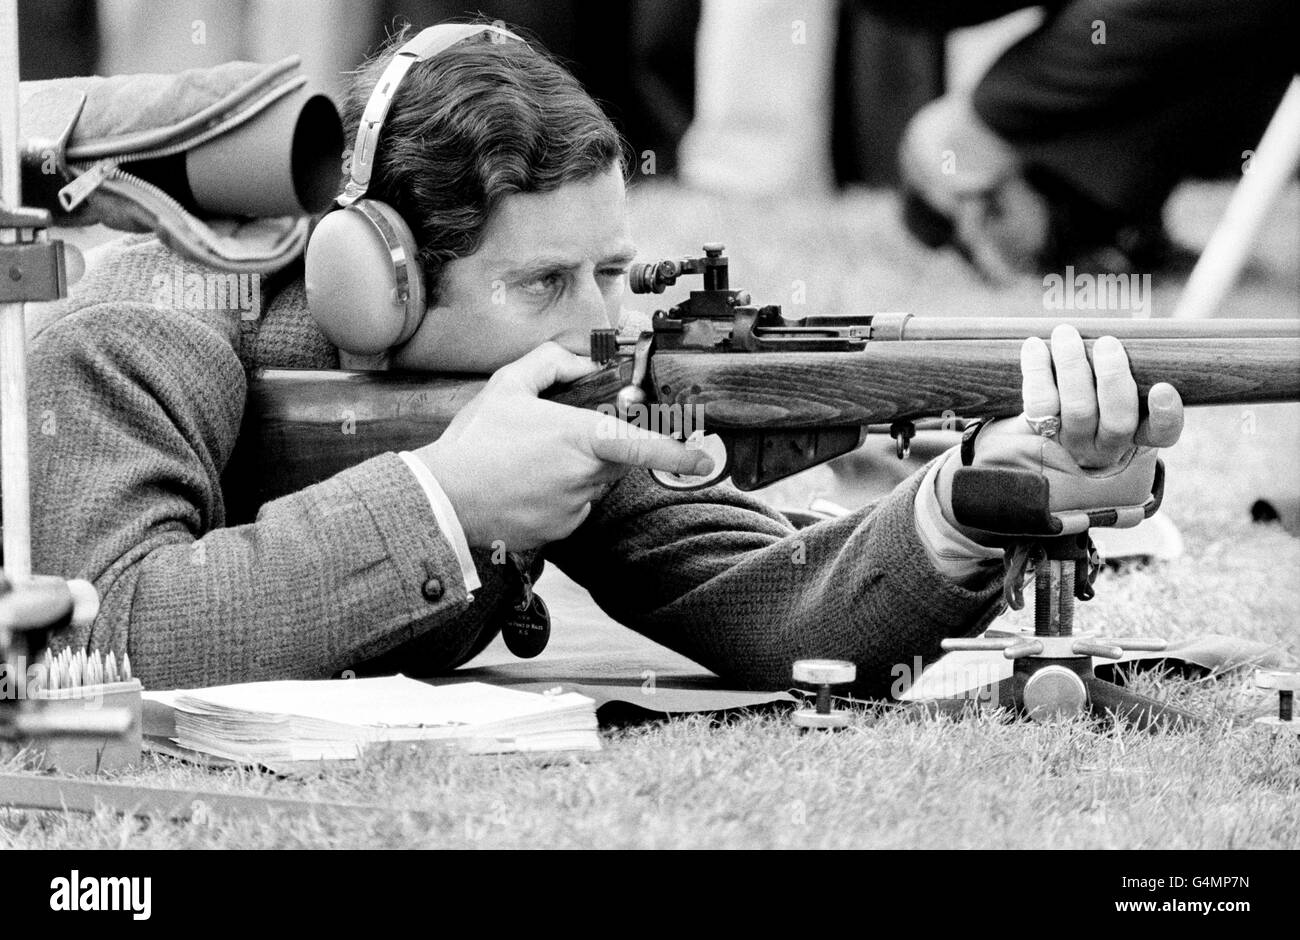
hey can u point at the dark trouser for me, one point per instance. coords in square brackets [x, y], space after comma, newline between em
[1178, 88]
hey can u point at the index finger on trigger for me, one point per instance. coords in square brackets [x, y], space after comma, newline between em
[622, 443]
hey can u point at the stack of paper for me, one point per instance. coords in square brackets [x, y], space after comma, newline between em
[332, 720]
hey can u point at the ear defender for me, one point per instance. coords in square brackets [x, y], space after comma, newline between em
[365, 288]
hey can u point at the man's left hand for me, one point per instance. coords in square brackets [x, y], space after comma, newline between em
[1103, 451]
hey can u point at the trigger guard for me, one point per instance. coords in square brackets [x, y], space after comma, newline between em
[714, 446]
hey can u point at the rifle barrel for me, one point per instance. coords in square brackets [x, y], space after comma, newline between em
[906, 326]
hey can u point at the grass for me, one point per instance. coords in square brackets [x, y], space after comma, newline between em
[889, 781]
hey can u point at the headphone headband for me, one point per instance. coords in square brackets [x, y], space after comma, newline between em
[427, 44]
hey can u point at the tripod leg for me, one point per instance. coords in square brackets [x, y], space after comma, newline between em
[1145, 713]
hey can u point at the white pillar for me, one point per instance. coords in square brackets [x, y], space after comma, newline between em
[763, 98]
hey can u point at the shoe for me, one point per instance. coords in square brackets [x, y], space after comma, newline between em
[966, 188]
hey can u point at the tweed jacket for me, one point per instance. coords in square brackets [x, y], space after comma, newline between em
[137, 391]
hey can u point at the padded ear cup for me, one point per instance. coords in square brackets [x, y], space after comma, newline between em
[365, 289]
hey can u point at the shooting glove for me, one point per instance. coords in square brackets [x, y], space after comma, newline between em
[1013, 482]
[192, 157]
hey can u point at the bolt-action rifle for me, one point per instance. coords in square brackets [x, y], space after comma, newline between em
[783, 393]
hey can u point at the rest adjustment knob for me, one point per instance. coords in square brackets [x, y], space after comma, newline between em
[1286, 682]
[824, 675]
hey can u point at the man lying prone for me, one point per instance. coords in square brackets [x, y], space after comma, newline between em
[511, 182]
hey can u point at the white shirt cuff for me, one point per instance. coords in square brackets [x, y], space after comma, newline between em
[446, 516]
[955, 556]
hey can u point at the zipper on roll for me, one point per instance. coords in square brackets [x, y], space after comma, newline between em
[76, 192]
[87, 181]
[92, 175]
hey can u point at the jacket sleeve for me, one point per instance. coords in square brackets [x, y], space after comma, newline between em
[134, 412]
[727, 581]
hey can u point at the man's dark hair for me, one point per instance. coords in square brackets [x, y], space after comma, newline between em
[477, 122]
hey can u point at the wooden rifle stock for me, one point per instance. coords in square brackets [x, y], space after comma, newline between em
[303, 426]
[890, 382]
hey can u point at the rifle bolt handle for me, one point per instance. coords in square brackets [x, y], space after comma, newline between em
[628, 397]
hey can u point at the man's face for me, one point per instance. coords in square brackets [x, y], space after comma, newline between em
[551, 266]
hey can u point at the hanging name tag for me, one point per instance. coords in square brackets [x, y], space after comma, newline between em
[527, 631]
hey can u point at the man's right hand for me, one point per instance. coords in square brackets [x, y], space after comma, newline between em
[526, 471]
